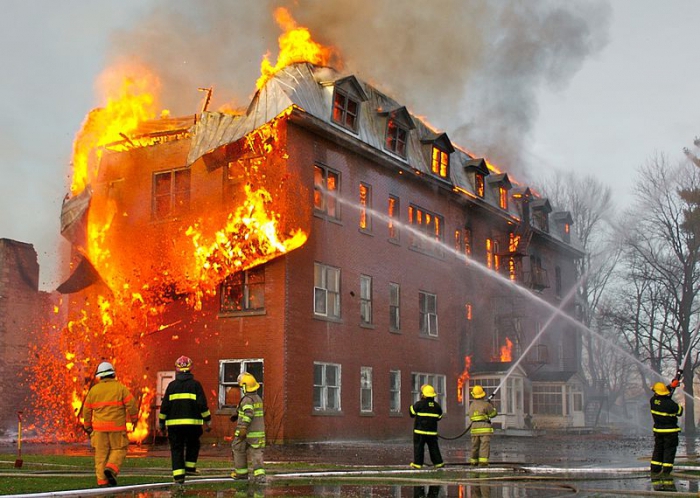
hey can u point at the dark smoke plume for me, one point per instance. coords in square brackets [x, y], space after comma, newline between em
[473, 68]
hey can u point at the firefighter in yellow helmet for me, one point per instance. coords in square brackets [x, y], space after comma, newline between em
[249, 438]
[427, 413]
[480, 413]
[665, 413]
[107, 406]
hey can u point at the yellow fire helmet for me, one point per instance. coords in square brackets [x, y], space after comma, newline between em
[660, 389]
[427, 391]
[478, 392]
[248, 382]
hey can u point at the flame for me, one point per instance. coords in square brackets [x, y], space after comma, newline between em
[295, 45]
[507, 351]
[463, 378]
[130, 100]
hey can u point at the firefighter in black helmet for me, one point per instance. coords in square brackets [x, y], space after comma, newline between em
[427, 413]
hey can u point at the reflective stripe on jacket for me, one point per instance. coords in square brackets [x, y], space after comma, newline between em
[665, 413]
[184, 402]
[106, 406]
[251, 416]
[427, 413]
[480, 413]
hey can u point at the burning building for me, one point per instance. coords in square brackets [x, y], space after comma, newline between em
[332, 244]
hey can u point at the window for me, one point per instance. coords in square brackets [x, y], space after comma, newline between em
[440, 164]
[366, 389]
[547, 399]
[427, 305]
[435, 380]
[557, 281]
[541, 220]
[326, 291]
[567, 232]
[395, 391]
[327, 387]
[479, 184]
[429, 227]
[365, 207]
[345, 110]
[326, 188]
[503, 197]
[468, 242]
[396, 136]
[243, 291]
[394, 310]
[365, 300]
[393, 212]
[229, 370]
[489, 253]
[171, 193]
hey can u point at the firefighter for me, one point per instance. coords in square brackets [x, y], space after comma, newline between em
[665, 413]
[480, 413]
[249, 437]
[105, 411]
[427, 413]
[183, 413]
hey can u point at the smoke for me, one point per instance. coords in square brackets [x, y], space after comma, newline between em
[472, 68]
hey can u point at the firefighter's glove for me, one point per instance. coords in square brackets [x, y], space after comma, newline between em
[88, 430]
[242, 433]
[675, 383]
[207, 427]
[234, 417]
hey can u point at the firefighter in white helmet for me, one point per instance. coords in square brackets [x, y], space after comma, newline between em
[107, 406]
[183, 412]
[427, 413]
[480, 413]
[249, 437]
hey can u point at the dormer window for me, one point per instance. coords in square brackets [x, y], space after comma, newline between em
[398, 124]
[563, 221]
[540, 209]
[440, 150]
[347, 96]
[476, 171]
[479, 184]
[440, 164]
[501, 184]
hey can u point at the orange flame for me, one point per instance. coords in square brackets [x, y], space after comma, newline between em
[130, 100]
[463, 378]
[507, 351]
[295, 45]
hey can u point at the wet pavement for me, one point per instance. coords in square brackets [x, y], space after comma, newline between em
[582, 465]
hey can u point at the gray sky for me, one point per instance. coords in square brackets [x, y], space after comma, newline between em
[589, 86]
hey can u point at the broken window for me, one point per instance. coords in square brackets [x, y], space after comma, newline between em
[326, 189]
[479, 184]
[427, 305]
[365, 207]
[365, 300]
[503, 197]
[326, 387]
[229, 370]
[394, 307]
[440, 164]
[243, 291]
[394, 391]
[366, 405]
[396, 136]
[171, 193]
[345, 110]
[326, 291]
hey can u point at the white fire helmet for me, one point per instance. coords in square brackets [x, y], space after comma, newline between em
[104, 369]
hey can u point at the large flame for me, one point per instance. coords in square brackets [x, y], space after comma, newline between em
[295, 45]
[463, 379]
[507, 351]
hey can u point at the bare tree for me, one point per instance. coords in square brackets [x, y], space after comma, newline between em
[665, 250]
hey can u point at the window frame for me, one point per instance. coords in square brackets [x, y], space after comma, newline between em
[341, 112]
[366, 291]
[225, 385]
[394, 307]
[428, 314]
[366, 390]
[330, 295]
[365, 203]
[394, 215]
[394, 392]
[178, 199]
[248, 288]
[326, 203]
[430, 226]
[323, 394]
[440, 162]
[394, 142]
